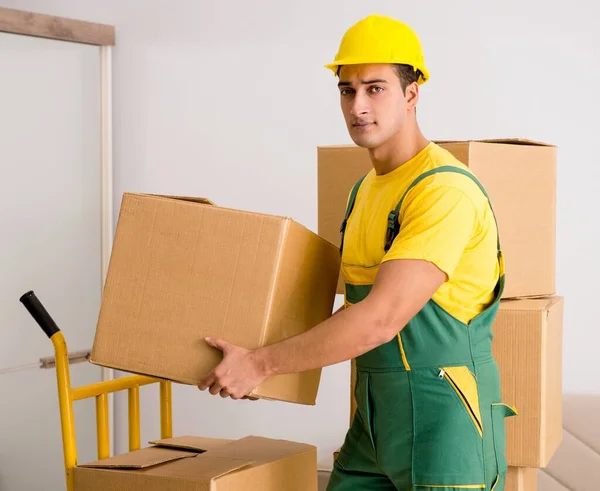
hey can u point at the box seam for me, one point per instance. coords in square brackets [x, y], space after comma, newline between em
[271, 296]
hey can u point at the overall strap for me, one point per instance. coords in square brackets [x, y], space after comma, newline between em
[349, 208]
[393, 228]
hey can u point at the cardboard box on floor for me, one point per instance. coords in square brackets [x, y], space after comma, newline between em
[520, 177]
[182, 269]
[527, 346]
[205, 464]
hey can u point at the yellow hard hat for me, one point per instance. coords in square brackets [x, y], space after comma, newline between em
[381, 39]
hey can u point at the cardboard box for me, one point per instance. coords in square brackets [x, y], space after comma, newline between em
[182, 269]
[520, 177]
[527, 346]
[521, 479]
[205, 464]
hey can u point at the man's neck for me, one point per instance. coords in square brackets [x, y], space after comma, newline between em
[398, 150]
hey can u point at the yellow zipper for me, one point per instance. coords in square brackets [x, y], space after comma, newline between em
[474, 416]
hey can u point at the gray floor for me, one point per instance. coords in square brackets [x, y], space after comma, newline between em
[323, 480]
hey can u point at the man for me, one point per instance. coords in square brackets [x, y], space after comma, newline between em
[424, 274]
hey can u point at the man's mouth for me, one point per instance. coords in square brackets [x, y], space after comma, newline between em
[362, 124]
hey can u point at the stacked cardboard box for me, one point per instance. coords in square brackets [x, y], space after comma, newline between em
[520, 177]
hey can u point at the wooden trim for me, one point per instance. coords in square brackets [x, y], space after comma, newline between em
[61, 28]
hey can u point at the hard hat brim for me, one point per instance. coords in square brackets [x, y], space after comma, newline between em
[334, 67]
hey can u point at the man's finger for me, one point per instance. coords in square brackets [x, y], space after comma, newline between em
[207, 382]
[250, 398]
[225, 393]
[219, 344]
[215, 389]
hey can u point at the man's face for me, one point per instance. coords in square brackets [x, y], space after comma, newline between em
[375, 107]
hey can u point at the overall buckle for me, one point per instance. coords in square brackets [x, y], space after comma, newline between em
[391, 231]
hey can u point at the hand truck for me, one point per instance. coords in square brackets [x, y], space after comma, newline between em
[67, 395]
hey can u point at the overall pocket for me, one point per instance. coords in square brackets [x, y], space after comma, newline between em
[464, 384]
[360, 432]
[448, 445]
[500, 411]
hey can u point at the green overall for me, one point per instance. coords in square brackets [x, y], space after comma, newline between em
[429, 407]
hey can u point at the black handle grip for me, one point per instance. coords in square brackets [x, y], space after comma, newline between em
[39, 313]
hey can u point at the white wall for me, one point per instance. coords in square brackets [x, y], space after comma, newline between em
[229, 100]
[50, 222]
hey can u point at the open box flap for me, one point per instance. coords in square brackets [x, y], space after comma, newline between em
[260, 449]
[141, 459]
[196, 443]
[202, 468]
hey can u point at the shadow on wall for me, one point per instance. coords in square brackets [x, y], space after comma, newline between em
[576, 464]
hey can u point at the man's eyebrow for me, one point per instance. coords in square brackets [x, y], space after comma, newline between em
[374, 81]
[364, 82]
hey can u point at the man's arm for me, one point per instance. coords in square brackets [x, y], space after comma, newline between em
[401, 289]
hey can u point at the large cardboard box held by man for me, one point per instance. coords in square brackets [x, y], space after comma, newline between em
[182, 269]
[205, 464]
[527, 346]
[520, 177]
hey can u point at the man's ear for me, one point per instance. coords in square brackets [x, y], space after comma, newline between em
[412, 95]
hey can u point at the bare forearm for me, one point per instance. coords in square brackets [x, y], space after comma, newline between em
[347, 334]
[402, 288]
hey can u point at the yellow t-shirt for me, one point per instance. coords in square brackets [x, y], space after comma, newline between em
[445, 219]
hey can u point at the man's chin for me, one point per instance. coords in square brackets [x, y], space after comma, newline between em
[366, 138]
[368, 143]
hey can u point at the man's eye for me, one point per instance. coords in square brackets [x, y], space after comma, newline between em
[376, 89]
[345, 91]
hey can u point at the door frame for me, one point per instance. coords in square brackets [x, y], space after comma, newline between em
[102, 35]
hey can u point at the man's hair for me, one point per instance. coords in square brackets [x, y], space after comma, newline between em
[407, 75]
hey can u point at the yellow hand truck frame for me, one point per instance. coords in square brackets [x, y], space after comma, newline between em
[67, 395]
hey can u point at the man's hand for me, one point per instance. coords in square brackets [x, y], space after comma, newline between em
[238, 374]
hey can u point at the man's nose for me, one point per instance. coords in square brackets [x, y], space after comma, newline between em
[359, 106]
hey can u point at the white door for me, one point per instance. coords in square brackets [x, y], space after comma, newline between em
[50, 242]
